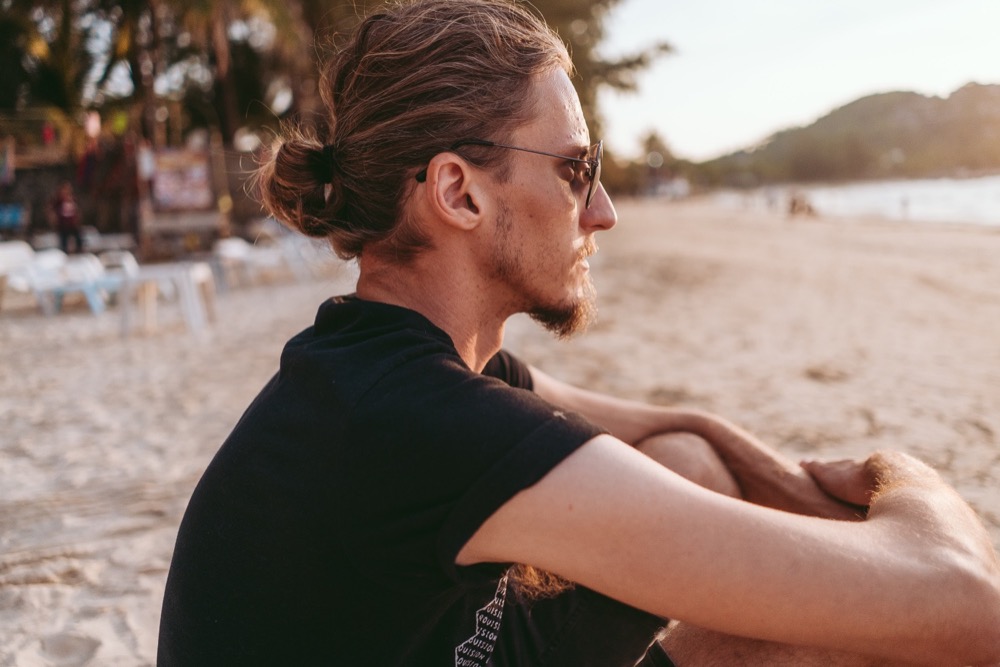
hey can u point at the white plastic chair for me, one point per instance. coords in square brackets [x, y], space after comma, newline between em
[15, 257]
[50, 275]
[41, 277]
[242, 262]
[119, 260]
[82, 274]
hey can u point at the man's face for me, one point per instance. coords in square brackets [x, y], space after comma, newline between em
[543, 232]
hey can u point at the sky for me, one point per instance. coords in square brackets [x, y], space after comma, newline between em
[744, 69]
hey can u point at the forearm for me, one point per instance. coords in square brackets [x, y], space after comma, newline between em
[929, 536]
[764, 476]
[911, 492]
[629, 421]
[633, 421]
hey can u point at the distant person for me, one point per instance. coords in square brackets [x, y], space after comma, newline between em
[405, 492]
[8, 151]
[66, 213]
[799, 204]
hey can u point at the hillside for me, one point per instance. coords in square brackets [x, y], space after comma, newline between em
[889, 135]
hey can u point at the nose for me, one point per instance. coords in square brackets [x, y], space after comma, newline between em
[601, 215]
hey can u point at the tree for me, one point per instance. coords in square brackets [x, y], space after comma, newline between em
[14, 36]
[221, 58]
[227, 33]
[582, 26]
[46, 58]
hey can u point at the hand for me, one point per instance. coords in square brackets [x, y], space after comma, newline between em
[847, 480]
[858, 481]
[765, 476]
[793, 490]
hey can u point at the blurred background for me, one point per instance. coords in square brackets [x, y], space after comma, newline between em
[154, 109]
[747, 144]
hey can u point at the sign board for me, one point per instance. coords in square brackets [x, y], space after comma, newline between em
[182, 181]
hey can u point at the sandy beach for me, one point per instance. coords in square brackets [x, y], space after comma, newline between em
[826, 337]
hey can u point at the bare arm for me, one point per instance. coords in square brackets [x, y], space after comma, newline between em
[917, 581]
[764, 476]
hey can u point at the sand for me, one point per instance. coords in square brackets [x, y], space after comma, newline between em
[828, 338]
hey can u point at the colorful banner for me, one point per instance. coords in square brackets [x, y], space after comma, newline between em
[182, 181]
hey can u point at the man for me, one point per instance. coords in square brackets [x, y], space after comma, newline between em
[66, 214]
[403, 492]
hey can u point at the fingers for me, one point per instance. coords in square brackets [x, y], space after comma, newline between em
[847, 480]
[857, 481]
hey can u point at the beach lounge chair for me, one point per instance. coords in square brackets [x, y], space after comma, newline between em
[15, 256]
[40, 276]
[50, 275]
[53, 277]
[305, 257]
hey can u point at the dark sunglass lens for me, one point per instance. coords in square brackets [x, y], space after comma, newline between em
[595, 173]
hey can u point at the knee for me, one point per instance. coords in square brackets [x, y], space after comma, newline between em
[691, 457]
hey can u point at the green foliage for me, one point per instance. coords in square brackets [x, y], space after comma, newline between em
[582, 27]
[65, 54]
[223, 60]
[890, 135]
[43, 60]
[580, 24]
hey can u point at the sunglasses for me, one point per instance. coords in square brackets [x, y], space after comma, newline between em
[588, 168]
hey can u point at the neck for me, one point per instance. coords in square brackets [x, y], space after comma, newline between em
[445, 295]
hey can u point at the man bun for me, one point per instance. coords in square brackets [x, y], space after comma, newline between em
[292, 186]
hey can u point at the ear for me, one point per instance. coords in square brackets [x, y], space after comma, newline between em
[455, 191]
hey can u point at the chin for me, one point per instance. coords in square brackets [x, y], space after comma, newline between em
[571, 316]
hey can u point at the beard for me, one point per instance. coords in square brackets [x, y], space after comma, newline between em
[564, 318]
[571, 317]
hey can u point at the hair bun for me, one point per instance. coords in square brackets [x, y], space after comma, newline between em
[325, 163]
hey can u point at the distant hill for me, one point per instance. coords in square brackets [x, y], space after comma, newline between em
[889, 135]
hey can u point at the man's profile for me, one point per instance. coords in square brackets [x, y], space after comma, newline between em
[406, 492]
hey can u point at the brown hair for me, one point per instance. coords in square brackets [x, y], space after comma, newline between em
[410, 81]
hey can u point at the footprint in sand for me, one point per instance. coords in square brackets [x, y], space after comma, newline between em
[65, 649]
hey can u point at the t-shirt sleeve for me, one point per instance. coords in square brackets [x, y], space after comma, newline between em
[459, 446]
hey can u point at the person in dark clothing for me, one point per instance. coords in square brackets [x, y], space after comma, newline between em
[406, 492]
[66, 214]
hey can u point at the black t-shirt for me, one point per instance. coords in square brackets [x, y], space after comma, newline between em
[325, 530]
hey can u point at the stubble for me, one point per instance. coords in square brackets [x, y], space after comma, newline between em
[564, 318]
